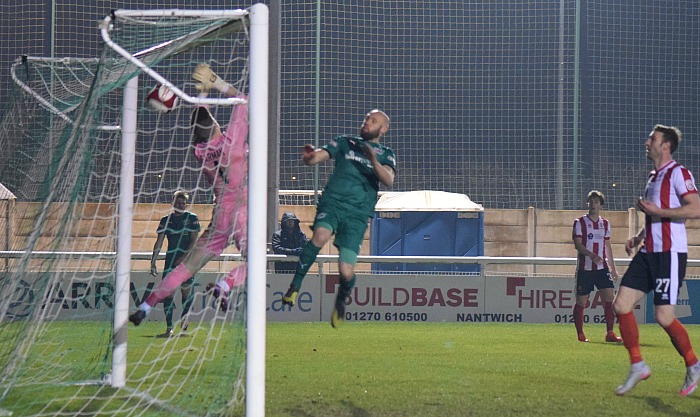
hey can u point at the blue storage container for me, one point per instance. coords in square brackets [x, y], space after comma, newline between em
[427, 223]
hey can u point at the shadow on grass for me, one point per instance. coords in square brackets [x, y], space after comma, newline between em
[345, 408]
[661, 407]
[163, 336]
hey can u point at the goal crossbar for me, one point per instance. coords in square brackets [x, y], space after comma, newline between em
[144, 59]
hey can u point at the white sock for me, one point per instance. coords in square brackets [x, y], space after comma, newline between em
[224, 286]
[145, 307]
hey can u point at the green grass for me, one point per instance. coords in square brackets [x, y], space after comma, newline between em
[420, 369]
[450, 369]
[66, 356]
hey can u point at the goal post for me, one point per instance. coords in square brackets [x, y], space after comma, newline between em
[257, 209]
[257, 201]
[125, 218]
[104, 168]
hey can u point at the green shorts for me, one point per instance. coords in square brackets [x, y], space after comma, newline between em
[349, 228]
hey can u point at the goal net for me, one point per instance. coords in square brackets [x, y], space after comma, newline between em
[71, 275]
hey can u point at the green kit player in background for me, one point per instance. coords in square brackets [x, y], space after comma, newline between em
[347, 202]
[180, 228]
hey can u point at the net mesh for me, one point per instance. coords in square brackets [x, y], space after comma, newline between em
[473, 90]
[63, 164]
[483, 95]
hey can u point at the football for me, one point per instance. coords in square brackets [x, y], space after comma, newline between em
[161, 99]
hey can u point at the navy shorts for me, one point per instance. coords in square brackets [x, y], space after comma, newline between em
[586, 280]
[661, 272]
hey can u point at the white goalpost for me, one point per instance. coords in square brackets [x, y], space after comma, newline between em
[120, 163]
[257, 202]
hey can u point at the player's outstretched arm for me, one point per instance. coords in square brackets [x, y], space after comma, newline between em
[208, 79]
[312, 156]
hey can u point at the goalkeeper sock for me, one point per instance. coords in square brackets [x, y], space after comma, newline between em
[306, 259]
[234, 278]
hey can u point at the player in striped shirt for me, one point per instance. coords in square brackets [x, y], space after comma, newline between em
[669, 199]
[595, 266]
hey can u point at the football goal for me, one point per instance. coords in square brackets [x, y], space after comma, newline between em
[93, 166]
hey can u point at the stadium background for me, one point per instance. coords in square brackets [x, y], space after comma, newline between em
[514, 103]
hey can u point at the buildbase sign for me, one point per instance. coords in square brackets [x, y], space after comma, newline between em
[376, 297]
[439, 298]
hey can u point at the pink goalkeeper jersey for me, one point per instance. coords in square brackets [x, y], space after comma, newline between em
[666, 188]
[225, 158]
[593, 235]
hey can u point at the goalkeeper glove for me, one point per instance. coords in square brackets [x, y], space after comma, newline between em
[202, 90]
[208, 79]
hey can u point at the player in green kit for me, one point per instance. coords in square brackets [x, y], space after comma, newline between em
[180, 228]
[347, 202]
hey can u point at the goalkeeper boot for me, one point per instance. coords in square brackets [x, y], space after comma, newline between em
[290, 297]
[219, 294]
[168, 332]
[338, 316]
[611, 337]
[137, 317]
[638, 372]
[692, 376]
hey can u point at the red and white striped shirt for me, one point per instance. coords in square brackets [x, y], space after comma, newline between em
[666, 188]
[593, 235]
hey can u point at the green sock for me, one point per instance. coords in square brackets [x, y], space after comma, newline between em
[187, 304]
[168, 306]
[306, 259]
[347, 286]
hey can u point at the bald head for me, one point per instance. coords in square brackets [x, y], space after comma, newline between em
[375, 125]
[382, 115]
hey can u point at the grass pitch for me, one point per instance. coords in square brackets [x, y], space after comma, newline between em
[419, 369]
[455, 369]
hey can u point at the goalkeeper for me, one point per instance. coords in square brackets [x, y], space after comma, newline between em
[224, 159]
[347, 202]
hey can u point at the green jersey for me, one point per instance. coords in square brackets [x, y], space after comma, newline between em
[354, 184]
[178, 230]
